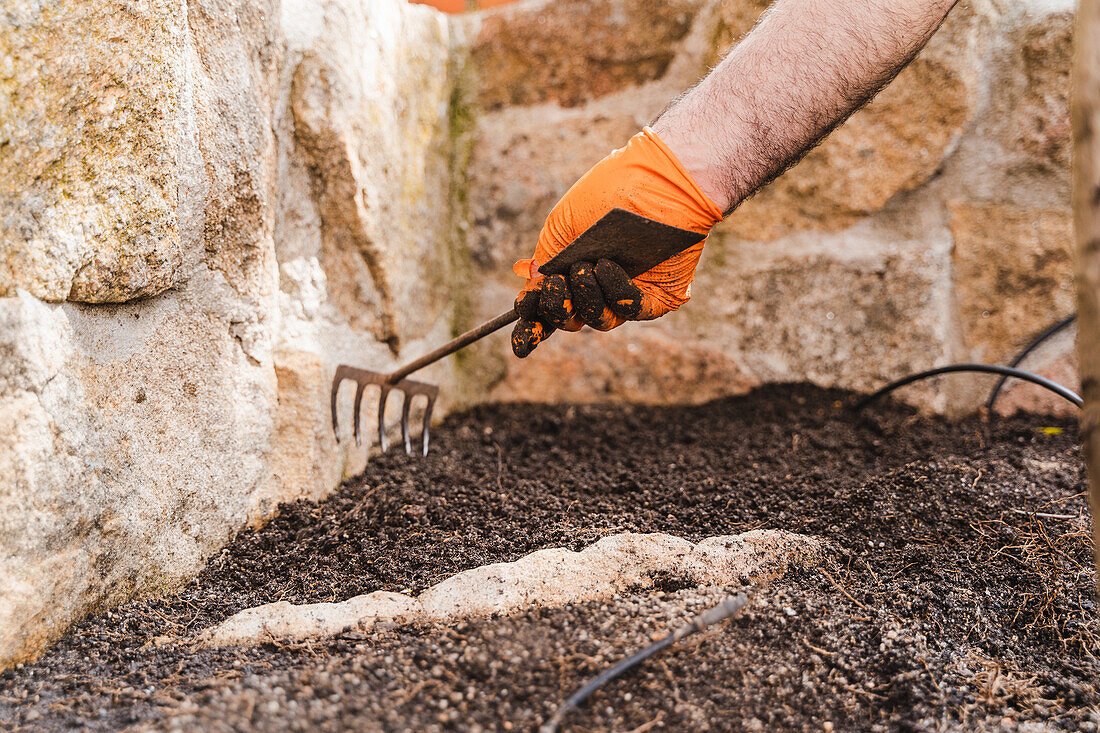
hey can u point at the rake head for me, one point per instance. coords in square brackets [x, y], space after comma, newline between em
[363, 379]
[636, 243]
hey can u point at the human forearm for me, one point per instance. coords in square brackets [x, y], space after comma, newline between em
[803, 70]
[806, 67]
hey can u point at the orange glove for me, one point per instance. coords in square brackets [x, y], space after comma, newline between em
[646, 178]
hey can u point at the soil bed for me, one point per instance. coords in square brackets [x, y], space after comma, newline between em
[960, 595]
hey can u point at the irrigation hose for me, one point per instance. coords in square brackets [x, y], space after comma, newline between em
[719, 613]
[1025, 352]
[984, 368]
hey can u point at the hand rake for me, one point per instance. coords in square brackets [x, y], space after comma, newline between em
[635, 243]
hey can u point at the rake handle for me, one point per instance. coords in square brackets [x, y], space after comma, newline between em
[460, 342]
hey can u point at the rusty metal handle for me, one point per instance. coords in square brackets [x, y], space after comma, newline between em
[460, 342]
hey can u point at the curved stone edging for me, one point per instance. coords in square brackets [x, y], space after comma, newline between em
[551, 577]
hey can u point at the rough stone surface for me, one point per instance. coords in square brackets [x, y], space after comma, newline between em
[1014, 274]
[384, 227]
[89, 148]
[827, 309]
[648, 363]
[538, 51]
[303, 444]
[891, 146]
[159, 165]
[1033, 90]
[546, 578]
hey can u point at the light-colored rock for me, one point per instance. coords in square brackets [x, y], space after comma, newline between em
[853, 310]
[1032, 105]
[140, 436]
[546, 578]
[234, 58]
[535, 52]
[303, 444]
[89, 146]
[135, 458]
[893, 145]
[1055, 360]
[1013, 273]
[283, 620]
[386, 237]
[643, 362]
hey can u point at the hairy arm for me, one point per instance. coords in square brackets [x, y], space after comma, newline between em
[802, 71]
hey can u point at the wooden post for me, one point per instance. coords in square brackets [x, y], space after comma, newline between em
[1085, 114]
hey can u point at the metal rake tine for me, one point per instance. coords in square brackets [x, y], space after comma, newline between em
[427, 423]
[336, 380]
[405, 423]
[355, 415]
[382, 416]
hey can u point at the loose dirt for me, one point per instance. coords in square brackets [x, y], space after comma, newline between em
[961, 595]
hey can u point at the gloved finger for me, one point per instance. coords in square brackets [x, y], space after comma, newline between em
[619, 291]
[556, 304]
[526, 335]
[588, 300]
[527, 303]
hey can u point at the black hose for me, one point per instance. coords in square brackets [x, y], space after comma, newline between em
[986, 368]
[719, 613]
[1035, 343]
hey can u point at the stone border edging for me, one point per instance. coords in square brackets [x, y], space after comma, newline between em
[546, 578]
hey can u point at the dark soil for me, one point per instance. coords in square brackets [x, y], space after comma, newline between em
[961, 595]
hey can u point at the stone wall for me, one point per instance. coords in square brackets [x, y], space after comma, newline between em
[206, 205]
[933, 227]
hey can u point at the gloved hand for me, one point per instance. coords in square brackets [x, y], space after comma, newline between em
[643, 177]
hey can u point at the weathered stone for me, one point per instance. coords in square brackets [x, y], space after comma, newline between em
[893, 145]
[541, 52]
[546, 578]
[1033, 103]
[1014, 274]
[635, 363]
[303, 447]
[138, 437]
[88, 148]
[521, 168]
[137, 455]
[852, 310]
[386, 229]
[237, 48]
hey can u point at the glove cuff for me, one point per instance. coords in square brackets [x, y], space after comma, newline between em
[705, 204]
